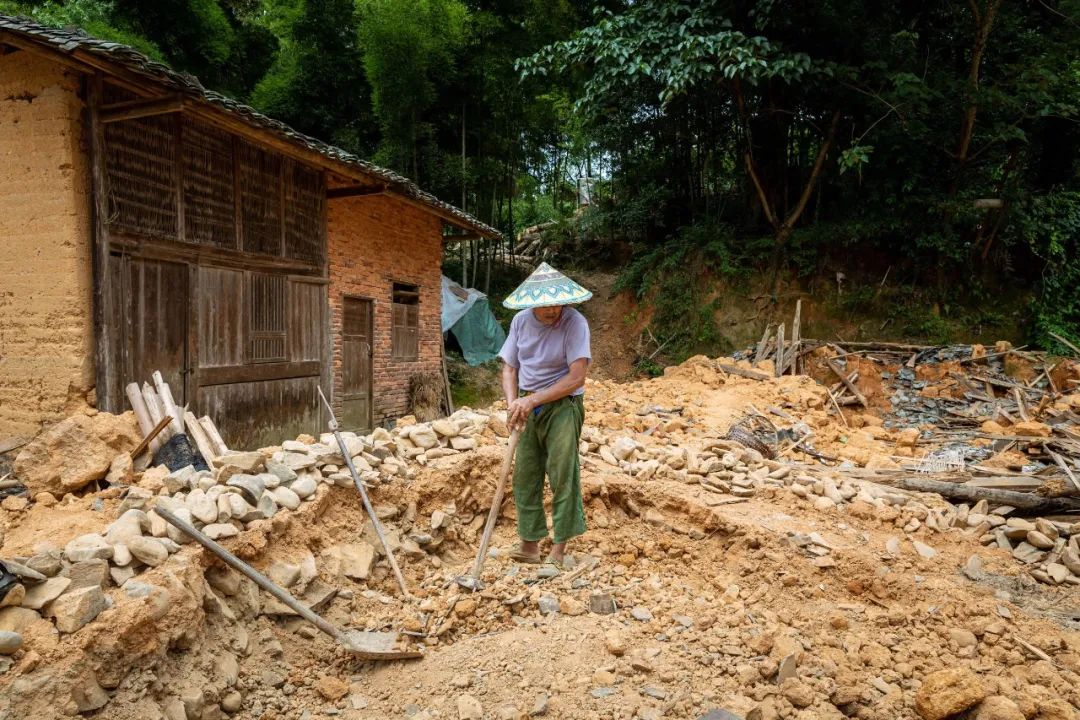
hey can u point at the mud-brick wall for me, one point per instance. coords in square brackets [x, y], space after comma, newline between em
[46, 328]
[375, 241]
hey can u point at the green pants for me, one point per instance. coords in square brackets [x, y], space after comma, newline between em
[549, 444]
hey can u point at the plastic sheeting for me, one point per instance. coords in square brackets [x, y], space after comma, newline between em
[466, 313]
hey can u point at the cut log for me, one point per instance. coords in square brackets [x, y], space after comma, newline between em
[960, 491]
[198, 436]
[214, 436]
[847, 383]
[168, 405]
[153, 406]
[743, 372]
[761, 347]
[778, 359]
[142, 415]
[795, 340]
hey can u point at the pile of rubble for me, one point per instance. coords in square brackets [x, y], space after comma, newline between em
[768, 563]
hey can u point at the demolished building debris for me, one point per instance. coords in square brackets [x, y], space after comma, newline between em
[793, 567]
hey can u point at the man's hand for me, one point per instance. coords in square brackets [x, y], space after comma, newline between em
[517, 412]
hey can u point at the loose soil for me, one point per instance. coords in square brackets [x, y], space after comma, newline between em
[713, 600]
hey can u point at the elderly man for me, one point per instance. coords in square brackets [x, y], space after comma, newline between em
[545, 358]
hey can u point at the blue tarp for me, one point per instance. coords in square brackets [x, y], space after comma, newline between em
[466, 313]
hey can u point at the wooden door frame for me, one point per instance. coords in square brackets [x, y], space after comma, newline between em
[371, 356]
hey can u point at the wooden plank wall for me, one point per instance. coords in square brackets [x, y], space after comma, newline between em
[216, 274]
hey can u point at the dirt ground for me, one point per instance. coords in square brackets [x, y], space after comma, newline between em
[720, 602]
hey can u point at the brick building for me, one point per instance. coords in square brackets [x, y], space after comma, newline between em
[150, 224]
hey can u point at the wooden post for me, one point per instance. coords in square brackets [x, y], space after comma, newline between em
[142, 414]
[794, 362]
[778, 358]
[761, 346]
[214, 436]
[103, 312]
[153, 405]
[198, 436]
[168, 405]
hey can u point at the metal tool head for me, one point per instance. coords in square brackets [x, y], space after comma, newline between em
[375, 645]
[469, 582]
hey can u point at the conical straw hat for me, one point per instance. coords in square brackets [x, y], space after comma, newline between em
[544, 288]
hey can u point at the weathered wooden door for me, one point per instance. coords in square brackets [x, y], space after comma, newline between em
[356, 331]
[154, 303]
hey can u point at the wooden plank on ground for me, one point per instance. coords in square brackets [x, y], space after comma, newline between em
[743, 372]
[847, 383]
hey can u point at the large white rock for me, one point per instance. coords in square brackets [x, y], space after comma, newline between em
[202, 508]
[285, 497]
[88, 547]
[423, 436]
[74, 609]
[304, 487]
[150, 551]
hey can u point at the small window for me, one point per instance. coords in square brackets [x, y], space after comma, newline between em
[405, 322]
[266, 318]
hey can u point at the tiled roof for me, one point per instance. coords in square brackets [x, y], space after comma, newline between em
[70, 41]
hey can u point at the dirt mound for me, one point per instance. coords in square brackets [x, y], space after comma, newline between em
[712, 576]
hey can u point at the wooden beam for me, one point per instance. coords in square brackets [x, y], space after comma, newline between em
[355, 191]
[259, 372]
[143, 107]
[106, 366]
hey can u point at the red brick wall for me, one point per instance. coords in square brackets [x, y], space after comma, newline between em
[375, 241]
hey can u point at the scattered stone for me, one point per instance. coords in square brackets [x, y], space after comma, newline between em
[948, 692]
[251, 487]
[46, 563]
[89, 695]
[74, 609]
[304, 487]
[615, 644]
[223, 579]
[998, 707]
[797, 693]
[548, 605]
[641, 613]
[285, 497]
[469, 708]
[284, 574]
[150, 551]
[540, 705]
[601, 603]
[331, 688]
[232, 702]
[1039, 540]
[248, 462]
[88, 547]
[220, 531]
[923, 549]
[357, 559]
[38, 596]
[89, 573]
[14, 596]
[719, 714]
[9, 642]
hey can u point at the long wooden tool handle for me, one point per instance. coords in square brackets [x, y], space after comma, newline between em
[371, 514]
[496, 504]
[242, 567]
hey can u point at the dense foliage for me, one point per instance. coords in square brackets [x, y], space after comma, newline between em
[935, 144]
